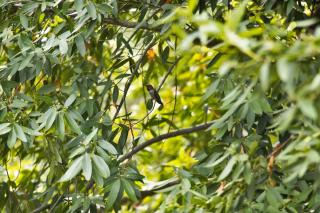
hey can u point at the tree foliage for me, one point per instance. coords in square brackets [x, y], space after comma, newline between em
[238, 131]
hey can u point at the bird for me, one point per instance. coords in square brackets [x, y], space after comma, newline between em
[154, 94]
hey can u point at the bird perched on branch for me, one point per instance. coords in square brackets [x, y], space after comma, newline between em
[154, 94]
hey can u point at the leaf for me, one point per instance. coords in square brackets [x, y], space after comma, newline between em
[90, 136]
[73, 170]
[129, 189]
[198, 194]
[78, 4]
[12, 138]
[264, 75]
[77, 151]
[274, 198]
[286, 118]
[92, 10]
[284, 68]
[63, 46]
[101, 166]
[211, 89]
[60, 125]
[25, 62]
[227, 169]
[72, 123]
[80, 45]
[70, 100]
[31, 131]
[23, 20]
[4, 128]
[113, 194]
[108, 147]
[308, 109]
[86, 166]
[20, 133]
[115, 94]
[123, 137]
[51, 118]
[46, 89]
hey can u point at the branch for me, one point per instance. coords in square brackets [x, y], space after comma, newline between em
[154, 190]
[51, 205]
[168, 73]
[128, 84]
[151, 192]
[164, 136]
[128, 24]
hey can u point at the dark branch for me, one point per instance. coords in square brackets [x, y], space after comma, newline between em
[168, 73]
[128, 84]
[164, 136]
[154, 190]
[128, 24]
[52, 205]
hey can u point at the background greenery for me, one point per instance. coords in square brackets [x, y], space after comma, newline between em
[238, 132]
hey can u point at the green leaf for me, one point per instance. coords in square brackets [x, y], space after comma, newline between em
[90, 136]
[31, 131]
[227, 170]
[78, 4]
[102, 167]
[70, 100]
[63, 46]
[108, 147]
[73, 170]
[25, 62]
[129, 189]
[12, 139]
[115, 94]
[86, 166]
[113, 194]
[234, 17]
[20, 133]
[274, 198]
[123, 137]
[286, 118]
[285, 69]
[4, 128]
[198, 194]
[51, 118]
[46, 89]
[80, 45]
[92, 10]
[23, 20]
[60, 125]
[211, 89]
[77, 151]
[308, 109]
[72, 123]
[264, 75]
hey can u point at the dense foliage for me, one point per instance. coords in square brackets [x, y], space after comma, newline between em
[239, 130]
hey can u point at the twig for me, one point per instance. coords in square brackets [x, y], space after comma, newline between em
[154, 190]
[131, 24]
[164, 136]
[128, 84]
[167, 74]
[51, 205]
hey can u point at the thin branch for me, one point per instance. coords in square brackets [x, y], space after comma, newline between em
[164, 136]
[128, 24]
[128, 84]
[53, 204]
[154, 190]
[167, 74]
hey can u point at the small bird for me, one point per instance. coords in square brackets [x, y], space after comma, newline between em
[154, 94]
